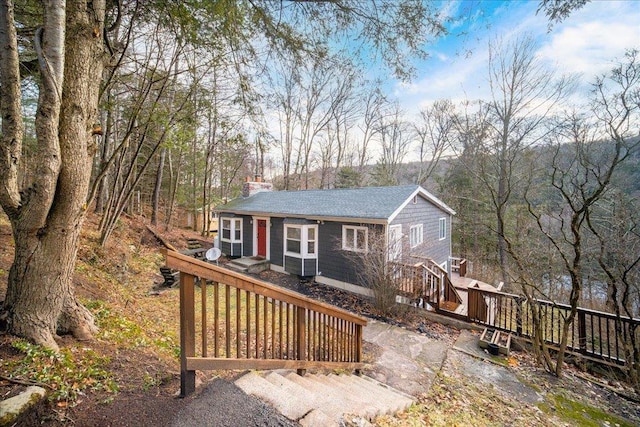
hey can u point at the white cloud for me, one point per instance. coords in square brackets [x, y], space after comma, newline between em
[588, 42]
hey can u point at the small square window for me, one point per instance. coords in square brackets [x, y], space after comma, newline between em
[355, 238]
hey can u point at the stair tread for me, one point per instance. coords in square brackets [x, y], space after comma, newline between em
[291, 406]
[319, 400]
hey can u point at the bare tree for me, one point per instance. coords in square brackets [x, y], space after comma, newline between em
[374, 103]
[434, 132]
[524, 93]
[616, 227]
[374, 269]
[395, 138]
[582, 174]
[463, 190]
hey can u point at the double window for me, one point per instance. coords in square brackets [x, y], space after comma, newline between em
[232, 229]
[416, 235]
[355, 238]
[301, 240]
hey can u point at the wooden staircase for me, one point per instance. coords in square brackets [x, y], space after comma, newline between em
[427, 283]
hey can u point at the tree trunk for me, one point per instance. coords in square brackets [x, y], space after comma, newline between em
[157, 187]
[40, 296]
[47, 222]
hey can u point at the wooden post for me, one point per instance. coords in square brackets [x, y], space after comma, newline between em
[203, 313]
[582, 331]
[187, 334]
[301, 337]
[358, 346]
[519, 311]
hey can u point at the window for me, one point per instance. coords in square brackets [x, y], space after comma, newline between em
[311, 240]
[232, 229]
[294, 236]
[415, 235]
[354, 238]
[300, 240]
[443, 228]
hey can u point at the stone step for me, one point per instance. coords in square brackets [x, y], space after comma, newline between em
[290, 405]
[322, 400]
[373, 391]
[378, 396]
[331, 399]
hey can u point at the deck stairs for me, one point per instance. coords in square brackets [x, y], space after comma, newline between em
[323, 399]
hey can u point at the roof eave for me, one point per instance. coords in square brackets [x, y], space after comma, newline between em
[309, 217]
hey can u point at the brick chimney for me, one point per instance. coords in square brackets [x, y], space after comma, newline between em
[249, 188]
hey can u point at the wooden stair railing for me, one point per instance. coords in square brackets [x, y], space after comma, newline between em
[459, 265]
[449, 294]
[423, 280]
[245, 323]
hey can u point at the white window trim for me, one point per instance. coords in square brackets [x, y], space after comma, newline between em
[442, 228]
[418, 234]
[232, 230]
[353, 247]
[304, 241]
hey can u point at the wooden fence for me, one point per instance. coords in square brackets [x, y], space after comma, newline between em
[592, 333]
[245, 323]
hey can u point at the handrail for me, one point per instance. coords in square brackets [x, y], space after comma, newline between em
[431, 277]
[257, 325]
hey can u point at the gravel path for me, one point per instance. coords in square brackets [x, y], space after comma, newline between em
[222, 404]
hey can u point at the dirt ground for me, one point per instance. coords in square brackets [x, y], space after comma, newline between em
[123, 274]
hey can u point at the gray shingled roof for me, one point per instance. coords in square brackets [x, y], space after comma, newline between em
[373, 203]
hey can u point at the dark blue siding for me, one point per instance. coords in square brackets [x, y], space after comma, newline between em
[310, 266]
[276, 236]
[333, 261]
[225, 248]
[293, 265]
[247, 236]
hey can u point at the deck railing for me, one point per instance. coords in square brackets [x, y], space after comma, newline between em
[459, 265]
[239, 322]
[593, 333]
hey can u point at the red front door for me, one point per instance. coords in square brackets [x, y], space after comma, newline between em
[262, 238]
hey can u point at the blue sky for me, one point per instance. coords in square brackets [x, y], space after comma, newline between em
[587, 43]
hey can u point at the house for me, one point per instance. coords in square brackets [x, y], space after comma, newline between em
[195, 220]
[312, 233]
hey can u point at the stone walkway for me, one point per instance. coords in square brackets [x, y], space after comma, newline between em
[410, 361]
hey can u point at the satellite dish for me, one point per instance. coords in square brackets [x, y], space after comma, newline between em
[213, 254]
